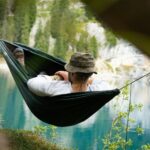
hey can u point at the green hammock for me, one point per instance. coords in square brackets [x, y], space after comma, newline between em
[61, 110]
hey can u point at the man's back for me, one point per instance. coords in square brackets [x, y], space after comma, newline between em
[44, 85]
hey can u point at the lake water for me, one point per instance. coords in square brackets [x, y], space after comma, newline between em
[84, 136]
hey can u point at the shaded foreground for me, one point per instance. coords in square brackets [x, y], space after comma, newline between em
[128, 19]
[24, 140]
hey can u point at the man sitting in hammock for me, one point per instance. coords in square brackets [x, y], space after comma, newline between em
[76, 78]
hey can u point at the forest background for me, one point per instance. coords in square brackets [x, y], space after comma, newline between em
[57, 27]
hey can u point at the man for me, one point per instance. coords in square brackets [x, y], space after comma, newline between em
[76, 78]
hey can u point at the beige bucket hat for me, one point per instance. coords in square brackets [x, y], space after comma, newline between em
[81, 62]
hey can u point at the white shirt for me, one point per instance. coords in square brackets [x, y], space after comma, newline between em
[43, 85]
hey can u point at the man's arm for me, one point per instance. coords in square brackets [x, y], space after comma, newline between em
[43, 85]
[39, 85]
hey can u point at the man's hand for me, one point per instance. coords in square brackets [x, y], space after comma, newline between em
[62, 74]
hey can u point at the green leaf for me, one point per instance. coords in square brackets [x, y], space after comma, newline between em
[139, 130]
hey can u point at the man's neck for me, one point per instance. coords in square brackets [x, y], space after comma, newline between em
[79, 87]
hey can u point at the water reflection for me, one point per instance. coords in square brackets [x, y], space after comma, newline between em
[13, 109]
[84, 136]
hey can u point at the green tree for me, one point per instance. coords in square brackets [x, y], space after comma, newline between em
[3, 4]
[87, 44]
[82, 44]
[60, 48]
[3, 19]
[111, 39]
[68, 29]
[58, 19]
[24, 17]
[93, 46]
[10, 28]
[41, 40]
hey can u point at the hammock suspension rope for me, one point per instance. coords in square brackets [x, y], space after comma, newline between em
[145, 75]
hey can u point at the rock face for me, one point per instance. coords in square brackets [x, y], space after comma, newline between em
[129, 19]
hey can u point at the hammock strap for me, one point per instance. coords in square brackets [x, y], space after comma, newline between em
[135, 80]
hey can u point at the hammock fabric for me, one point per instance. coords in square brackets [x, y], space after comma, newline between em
[62, 110]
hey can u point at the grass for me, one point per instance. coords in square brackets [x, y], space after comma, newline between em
[27, 140]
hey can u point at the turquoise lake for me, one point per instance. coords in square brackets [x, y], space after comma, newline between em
[88, 135]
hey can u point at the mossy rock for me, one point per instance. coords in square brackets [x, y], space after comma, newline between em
[24, 140]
